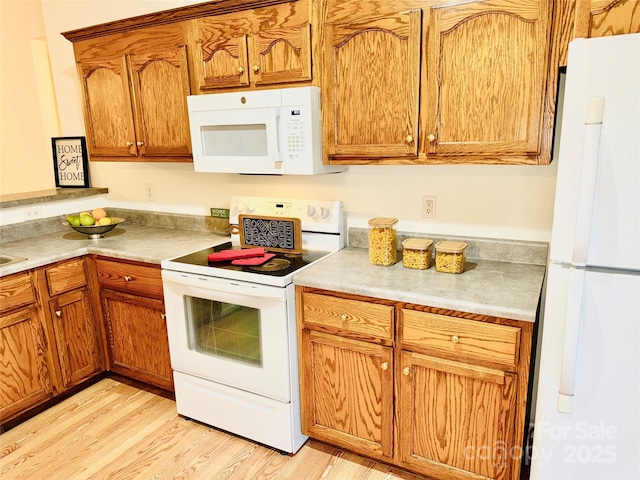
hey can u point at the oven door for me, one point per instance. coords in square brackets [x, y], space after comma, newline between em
[230, 332]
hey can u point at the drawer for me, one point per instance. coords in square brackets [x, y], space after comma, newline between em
[66, 276]
[16, 291]
[349, 316]
[126, 277]
[458, 337]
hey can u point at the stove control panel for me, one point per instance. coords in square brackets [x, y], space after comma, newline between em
[315, 215]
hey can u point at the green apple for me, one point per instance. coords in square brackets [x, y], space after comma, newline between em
[87, 220]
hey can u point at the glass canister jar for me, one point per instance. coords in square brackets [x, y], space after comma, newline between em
[450, 256]
[416, 253]
[383, 242]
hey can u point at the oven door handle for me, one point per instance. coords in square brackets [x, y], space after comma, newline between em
[221, 285]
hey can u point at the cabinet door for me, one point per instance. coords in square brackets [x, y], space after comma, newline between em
[25, 376]
[107, 106]
[598, 18]
[280, 56]
[370, 91]
[486, 68]
[160, 82]
[455, 418]
[222, 60]
[138, 340]
[347, 393]
[76, 336]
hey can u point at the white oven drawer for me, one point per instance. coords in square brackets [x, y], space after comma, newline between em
[264, 420]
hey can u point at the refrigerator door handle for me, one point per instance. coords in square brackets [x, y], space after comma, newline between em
[586, 198]
[570, 343]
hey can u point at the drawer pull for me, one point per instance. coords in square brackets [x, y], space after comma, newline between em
[405, 371]
[58, 313]
[127, 278]
[344, 317]
[163, 316]
[455, 338]
[256, 68]
[385, 366]
[431, 137]
[240, 69]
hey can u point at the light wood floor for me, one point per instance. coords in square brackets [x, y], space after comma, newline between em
[116, 431]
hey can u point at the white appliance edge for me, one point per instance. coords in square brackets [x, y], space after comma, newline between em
[587, 420]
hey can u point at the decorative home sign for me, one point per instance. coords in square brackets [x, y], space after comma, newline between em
[70, 162]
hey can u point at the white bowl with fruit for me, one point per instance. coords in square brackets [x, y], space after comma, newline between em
[95, 223]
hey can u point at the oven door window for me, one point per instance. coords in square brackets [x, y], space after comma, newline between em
[224, 330]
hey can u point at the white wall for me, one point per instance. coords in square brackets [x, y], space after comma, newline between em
[513, 202]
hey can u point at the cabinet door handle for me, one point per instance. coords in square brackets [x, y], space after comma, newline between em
[163, 316]
[455, 338]
[240, 69]
[256, 68]
[408, 138]
[127, 278]
[129, 144]
[405, 371]
[140, 144]
[385, 366]
[431, 137]
[58, 313]
[344, 317]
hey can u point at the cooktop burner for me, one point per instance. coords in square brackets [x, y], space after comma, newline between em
[281, 265]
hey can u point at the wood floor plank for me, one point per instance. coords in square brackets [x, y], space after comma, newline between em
[118, 431]
[71, 439]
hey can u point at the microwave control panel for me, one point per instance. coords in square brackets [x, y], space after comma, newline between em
[296, 133]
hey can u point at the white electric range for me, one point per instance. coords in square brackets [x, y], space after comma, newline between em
[232, 329]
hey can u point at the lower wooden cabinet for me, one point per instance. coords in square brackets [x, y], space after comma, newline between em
[455, 417]
[75, 324]
[348, 393]
[133, 306]
[137, 335]
[50, 335]
[440, 393]
[26, 376]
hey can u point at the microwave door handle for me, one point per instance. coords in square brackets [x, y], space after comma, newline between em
[273, 138]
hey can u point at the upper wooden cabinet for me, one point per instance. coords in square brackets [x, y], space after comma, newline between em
[134, 89]
[264, 46]
[598, 18]
[473, 94]
[371, 82]
[486, 68]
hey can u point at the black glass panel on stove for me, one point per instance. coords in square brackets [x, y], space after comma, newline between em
[282, 264]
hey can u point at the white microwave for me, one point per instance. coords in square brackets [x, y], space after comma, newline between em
[271, 132]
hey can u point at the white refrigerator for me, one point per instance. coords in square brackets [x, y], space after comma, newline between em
[587, 402]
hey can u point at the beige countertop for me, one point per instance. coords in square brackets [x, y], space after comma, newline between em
[127, 241]
[487, 287]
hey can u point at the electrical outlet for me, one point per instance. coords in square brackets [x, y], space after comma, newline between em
[32, 213]
[150, 192]
[428, 206]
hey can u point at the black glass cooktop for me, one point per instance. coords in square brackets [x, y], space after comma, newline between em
[279, 266]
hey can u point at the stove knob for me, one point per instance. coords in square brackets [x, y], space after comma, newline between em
[251, 206]
[311, 210]
[324, 212]
[241, 207]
